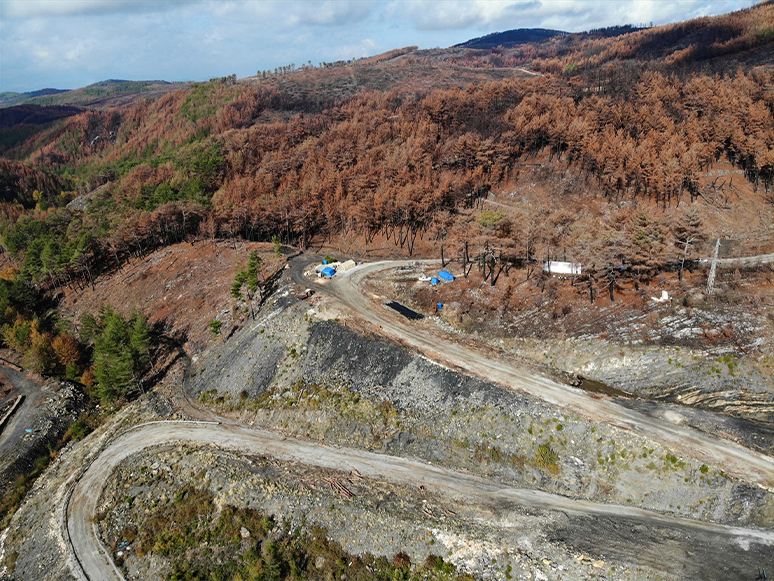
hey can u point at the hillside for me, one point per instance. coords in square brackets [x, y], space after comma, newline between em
[101, 95]
[629, 162]
[9, 99]
[632, 171]
[224, 412]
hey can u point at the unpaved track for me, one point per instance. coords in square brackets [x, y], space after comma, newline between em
[734, 459]
[454, 486]
[745, 260]
[24, 417]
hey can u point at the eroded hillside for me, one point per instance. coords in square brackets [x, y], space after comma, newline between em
[344, 400]
[253, 420]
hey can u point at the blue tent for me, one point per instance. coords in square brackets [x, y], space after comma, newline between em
[445, 275]
[433, 280]
[328, 271]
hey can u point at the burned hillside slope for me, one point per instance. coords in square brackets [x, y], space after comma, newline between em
[293, 370]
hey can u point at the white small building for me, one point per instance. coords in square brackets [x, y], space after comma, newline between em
[556, 267]
[347, 265]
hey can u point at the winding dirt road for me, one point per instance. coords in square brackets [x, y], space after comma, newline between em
[454, 486]
[734, 459]
[745, 260]
[94, 564]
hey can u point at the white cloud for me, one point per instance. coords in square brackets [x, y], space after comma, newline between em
[328, 12]
[571, 15]
[46, 8]
[365, 47]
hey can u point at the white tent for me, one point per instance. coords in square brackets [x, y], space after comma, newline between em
[556, 267]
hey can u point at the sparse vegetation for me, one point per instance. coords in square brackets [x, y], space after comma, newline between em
[14, 495]
[547, 459]
[215, 326]
[186, 532]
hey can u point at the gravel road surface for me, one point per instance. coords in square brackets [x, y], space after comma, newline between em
[734, 459]
[456, 486]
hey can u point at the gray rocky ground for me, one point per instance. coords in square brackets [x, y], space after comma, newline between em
[39, 423]
[334, 384]
[489, 541]
[299, 369]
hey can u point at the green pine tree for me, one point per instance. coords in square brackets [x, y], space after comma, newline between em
[113, 357]
[253, 263]
[140, 342]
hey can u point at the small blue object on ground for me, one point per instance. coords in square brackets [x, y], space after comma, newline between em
[445, 275]
[439, 306]
[328, 271]
[433, 280]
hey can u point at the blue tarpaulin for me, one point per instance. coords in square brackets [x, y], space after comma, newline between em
[433, 280]
[445, 275]
[328, 271]
[439, 306]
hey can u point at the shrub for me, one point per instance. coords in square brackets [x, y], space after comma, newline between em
[547, 459]
[215, 326]
[401, 560]
[79, 429]
[277, 246]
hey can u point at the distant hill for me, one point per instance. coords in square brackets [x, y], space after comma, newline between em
[105, 94]
[10, 99]
[20, 122]
[29, 114]
[518, 36]
[510, 38]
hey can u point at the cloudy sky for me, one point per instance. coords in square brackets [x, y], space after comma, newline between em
[72, 43]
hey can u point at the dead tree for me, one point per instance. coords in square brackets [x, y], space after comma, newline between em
[711, 278]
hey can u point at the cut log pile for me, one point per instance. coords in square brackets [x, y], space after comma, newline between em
[338, 487]
[10, 364]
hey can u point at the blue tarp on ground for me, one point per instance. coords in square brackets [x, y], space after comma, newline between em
[439, 306]
[328, 271]
[433, 280]
[445, 275]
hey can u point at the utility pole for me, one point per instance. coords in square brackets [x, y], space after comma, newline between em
[711, 279]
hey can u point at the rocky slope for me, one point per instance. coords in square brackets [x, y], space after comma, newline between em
[294, 370]
[301, 368]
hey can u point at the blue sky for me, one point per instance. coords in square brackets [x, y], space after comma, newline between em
[72, 43]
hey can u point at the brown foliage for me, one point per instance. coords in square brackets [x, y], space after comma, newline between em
[400, 162]
[66, 349]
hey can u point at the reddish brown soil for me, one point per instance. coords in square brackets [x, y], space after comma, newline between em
[183, 286]
[738, 315]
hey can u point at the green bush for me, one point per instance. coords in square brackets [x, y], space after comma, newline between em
[215, 326]
[547, 459]
[80, 429]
